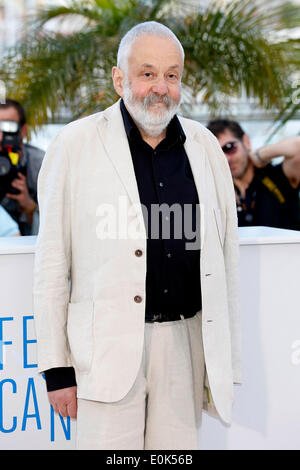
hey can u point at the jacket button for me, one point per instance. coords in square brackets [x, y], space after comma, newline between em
[138, 253]
[138, 299]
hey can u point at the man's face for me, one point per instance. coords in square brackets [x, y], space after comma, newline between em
[10, 114]
[237, 154]
[152, 83]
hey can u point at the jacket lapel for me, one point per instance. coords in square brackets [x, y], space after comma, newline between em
[196, 155]
[115, 141]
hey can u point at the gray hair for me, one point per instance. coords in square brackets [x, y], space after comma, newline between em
[148, 28]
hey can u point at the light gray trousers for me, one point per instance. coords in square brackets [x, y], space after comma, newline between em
[163, 408]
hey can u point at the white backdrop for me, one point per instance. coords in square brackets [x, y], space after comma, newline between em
[266, 413]
[26, 420]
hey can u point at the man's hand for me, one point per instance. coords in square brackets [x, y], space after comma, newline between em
[23, 197]
[64, 401]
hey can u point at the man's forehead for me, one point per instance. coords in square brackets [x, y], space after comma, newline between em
[226, 136]
[148, 50]
[9, 114]
[145, 65]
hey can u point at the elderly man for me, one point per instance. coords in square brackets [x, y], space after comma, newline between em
[146, 332]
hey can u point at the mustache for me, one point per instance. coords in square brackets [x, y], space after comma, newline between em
[153, 98]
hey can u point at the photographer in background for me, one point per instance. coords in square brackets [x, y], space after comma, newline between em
[20, 165]
[266, 194]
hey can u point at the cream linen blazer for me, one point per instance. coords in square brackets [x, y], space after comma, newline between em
[85, 284]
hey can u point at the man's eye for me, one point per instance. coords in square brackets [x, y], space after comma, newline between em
[148, 74]
[172, 76]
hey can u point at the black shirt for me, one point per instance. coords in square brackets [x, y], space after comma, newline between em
[163, 176]
[270, 200]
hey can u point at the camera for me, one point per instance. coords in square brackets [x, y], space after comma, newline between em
[9, 156]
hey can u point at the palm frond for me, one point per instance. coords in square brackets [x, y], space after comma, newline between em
[231, 49]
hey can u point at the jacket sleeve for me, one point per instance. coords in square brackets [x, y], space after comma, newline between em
[231, 256]
[53, 259]
[231, 259]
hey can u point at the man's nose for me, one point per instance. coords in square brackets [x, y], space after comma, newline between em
[229, 157]
[160, 86]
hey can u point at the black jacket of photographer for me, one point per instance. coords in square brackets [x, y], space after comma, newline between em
[31, 160]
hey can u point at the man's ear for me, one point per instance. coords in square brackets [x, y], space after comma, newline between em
[24, 130]
[118, 78]
[246, 141]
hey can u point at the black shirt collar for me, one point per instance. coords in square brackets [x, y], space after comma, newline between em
[175, 134]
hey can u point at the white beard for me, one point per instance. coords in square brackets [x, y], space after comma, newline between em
[152, 123]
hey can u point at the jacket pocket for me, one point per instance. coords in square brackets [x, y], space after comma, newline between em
[218, 219]
[80, 334]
